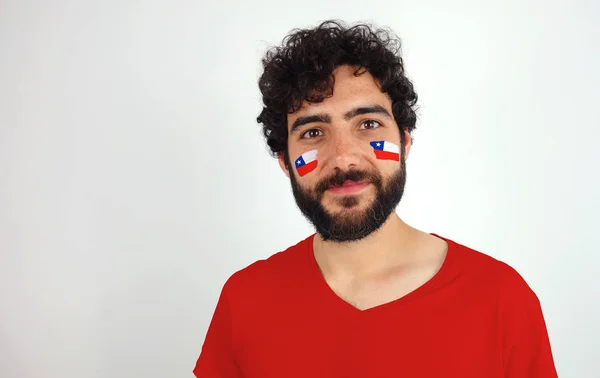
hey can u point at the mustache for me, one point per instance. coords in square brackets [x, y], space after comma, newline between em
[340, 177]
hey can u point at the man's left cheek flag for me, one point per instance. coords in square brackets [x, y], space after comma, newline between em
[307, 162]
[385, 150]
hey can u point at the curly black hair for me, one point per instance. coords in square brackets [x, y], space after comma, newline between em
[301, 70]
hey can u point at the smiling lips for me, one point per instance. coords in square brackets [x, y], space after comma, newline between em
[348, 187]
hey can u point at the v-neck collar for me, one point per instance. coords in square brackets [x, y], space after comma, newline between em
[436, 281]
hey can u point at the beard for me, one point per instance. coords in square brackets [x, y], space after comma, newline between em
[350, 224]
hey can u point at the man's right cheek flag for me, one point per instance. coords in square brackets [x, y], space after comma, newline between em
[307, 162]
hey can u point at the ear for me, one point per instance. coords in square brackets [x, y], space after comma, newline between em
[282, 164]
[407, 143]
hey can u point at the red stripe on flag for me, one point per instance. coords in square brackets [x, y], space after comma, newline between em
[307, 168]
[386, 155]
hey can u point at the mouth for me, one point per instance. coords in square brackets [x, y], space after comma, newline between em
[348, 187]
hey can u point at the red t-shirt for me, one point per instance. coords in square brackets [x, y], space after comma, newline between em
[278, 318]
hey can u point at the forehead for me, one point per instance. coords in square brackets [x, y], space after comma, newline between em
[349, 91]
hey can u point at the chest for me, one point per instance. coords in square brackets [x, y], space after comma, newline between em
[451, 339]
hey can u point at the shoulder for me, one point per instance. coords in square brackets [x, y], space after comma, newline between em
[508, 284]
[278, 268]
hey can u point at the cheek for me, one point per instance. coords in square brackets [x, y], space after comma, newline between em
[385, 150]
[306, 163]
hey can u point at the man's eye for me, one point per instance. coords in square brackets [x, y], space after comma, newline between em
[312, 133]
[370, 124]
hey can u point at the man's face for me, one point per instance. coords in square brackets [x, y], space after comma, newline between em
[341, 184]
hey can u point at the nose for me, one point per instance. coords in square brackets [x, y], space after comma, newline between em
[345, 151]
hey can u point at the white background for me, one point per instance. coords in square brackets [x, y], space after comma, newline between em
[121, 217]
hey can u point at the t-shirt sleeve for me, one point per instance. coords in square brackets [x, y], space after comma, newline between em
[216, 358]
[526, 346]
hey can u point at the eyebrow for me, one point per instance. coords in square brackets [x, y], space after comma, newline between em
[325, 118]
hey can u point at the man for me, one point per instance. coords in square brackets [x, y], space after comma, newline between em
[366, 295]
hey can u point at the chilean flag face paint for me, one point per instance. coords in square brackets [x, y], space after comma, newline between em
[306, 162]
[386, 150]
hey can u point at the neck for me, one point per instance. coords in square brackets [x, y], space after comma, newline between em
[390, 244]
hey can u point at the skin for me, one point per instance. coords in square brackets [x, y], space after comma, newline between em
[397, 258]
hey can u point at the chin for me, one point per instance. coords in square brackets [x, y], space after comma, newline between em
[347, 205]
